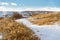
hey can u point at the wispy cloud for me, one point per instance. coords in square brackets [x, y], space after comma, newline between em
[7, 4]
[52, 3]
[3, 8]
[13, 4]
[4, 3]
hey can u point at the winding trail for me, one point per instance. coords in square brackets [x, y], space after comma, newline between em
[45, 32]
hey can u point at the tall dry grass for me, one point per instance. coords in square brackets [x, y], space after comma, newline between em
[45, 19]
[12, 30]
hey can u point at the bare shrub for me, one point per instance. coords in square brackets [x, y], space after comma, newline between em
[16, 15]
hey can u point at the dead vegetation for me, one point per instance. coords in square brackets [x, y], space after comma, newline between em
[12, 30]
[45, 19]
[14, 15]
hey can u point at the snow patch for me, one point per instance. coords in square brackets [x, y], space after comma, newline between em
[45, 32]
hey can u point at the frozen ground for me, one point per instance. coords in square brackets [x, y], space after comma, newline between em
[45, 32]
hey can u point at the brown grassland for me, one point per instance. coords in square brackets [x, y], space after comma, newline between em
[45, 19]
[12, 30]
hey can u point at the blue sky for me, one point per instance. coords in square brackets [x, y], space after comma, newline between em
[30, 3]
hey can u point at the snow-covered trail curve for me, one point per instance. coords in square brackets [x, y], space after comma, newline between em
[45, 32]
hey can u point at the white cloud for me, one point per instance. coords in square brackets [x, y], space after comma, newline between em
[7, 4]
[3, 8]
[4, 3]
[13, 4]
[43, 9]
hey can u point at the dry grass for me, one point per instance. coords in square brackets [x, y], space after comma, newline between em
[45, 19]
[12, 30]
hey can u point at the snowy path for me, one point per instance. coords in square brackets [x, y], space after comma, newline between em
[45, 32]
